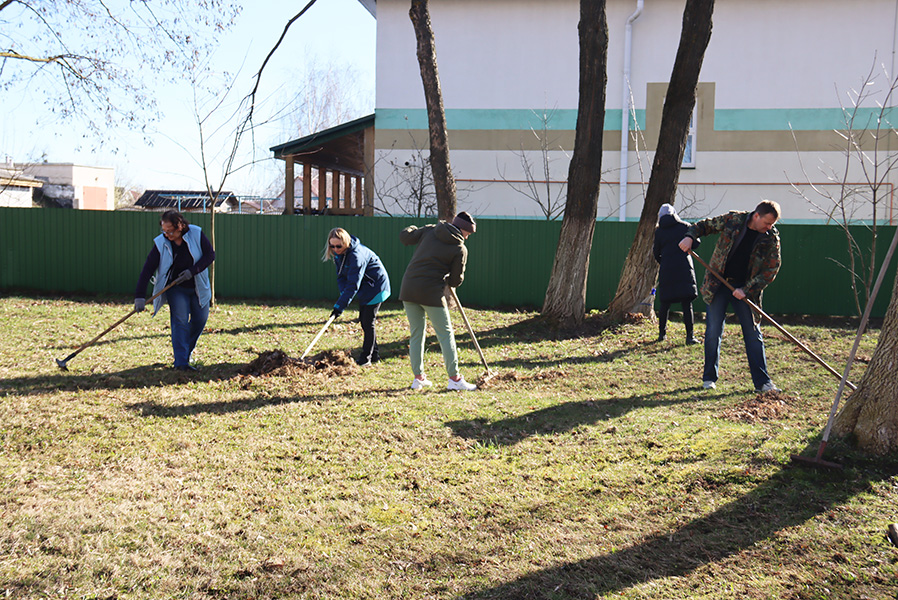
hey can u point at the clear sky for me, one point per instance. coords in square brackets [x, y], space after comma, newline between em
[333, 32]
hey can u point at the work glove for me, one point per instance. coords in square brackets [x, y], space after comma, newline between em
[337, 311]
[140, 304]
[185, 275]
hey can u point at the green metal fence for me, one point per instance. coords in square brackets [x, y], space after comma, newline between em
[510, 260]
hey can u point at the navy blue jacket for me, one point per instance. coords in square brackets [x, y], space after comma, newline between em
[676, 278]
[360, 273]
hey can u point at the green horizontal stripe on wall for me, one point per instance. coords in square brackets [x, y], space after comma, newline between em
[495, 119]
[797, 119]
[725, 119]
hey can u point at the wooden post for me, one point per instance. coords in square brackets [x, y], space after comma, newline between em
[347, 193]
[368, 210]
[306, 188]
[335, 183]
[288, 185]
[322, 189]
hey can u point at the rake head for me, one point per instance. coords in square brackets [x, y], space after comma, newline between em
[809, 461]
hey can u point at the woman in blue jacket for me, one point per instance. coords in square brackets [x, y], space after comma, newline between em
[180, 251]
[360, 273]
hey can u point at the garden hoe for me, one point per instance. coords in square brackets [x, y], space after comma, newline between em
[320, 333]
[757, 308]
[489, 374]
[63, 364]
[817, 461]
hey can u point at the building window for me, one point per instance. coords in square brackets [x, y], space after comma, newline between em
[689, 153]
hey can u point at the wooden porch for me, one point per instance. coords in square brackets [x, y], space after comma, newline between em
[334, 167]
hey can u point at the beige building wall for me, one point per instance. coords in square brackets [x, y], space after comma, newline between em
[87, 187]
[777, 82]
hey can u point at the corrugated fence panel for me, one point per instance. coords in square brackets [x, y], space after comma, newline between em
[510, 260]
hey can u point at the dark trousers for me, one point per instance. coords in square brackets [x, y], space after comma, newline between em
[688, 317]
[367, 317]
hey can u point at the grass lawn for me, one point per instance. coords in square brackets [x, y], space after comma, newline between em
[592, 466]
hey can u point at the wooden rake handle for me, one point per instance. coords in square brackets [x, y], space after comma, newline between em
[62, 363]
[320, 333]
[791, 337]
[464, 317]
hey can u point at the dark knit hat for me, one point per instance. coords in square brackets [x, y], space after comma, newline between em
[465, 222]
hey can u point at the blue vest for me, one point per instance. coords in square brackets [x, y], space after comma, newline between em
[166, 257]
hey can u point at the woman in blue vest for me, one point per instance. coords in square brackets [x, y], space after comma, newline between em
[360, 273]
[180, 251]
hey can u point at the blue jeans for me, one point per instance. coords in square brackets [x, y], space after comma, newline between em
[751, 334]
[188, 319]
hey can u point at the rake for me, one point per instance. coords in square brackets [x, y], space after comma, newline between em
[757, 308]
[489, 374]
[63, 364]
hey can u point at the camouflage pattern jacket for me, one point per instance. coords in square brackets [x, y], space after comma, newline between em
[765, 255]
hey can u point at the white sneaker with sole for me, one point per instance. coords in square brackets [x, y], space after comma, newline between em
[709, 385]
[461, 385]
[768, 387]
[417, 384]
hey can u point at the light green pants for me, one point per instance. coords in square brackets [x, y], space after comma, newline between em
[439, 319]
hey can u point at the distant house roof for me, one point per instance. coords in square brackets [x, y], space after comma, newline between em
[181, 199]
[15, 178]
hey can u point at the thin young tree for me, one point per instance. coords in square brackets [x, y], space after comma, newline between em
[443, 180]
[537, 185]
[640, 268]
[565, 300]
[867, 152]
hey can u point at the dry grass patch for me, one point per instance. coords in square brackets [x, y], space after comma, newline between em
[592, 466]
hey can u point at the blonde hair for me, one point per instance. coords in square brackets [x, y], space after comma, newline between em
[339, 233]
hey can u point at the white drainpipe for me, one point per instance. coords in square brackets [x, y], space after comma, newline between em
[625, 111]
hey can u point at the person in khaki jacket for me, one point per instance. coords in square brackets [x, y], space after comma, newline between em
[438, 261]
[747, 254]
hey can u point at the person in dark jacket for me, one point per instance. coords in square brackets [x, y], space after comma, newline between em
[676, 275]
[361, 274]
[438, 261]
[181, 251]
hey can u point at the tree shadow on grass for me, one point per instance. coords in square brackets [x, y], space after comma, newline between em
[789, 498]
[562, 418]
[154, 375]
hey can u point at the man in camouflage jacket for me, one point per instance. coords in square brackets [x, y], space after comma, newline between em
[747, 254]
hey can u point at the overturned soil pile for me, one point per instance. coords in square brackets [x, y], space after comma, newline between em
[276, 363]
[763, 407]
[500, 379]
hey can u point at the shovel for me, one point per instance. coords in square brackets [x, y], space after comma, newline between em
[317, 337]
[62, 364]
[489, 374]
[792, 338]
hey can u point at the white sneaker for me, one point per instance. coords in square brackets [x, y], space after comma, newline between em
[768, 387]
[709, 385]
[417, 384]
[461, 385]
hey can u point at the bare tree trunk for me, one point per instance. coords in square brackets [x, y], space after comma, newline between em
[640, 268]
[871, 413]
[566, 295]
[444, 182]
